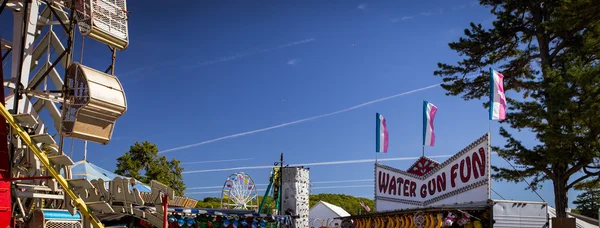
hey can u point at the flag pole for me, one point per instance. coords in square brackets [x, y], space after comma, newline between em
[491, 75]
[377, 135]
[423, 151]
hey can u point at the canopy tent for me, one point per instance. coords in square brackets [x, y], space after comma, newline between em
[89, 171]
[326, 214]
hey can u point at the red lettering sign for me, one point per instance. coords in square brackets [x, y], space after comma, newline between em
[392, 186]
[453, 175]
[383, 181]
[467, 171]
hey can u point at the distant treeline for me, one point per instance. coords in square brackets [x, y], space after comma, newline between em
[349, 203]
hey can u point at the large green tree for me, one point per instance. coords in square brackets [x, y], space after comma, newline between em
[143, 163]
[588, 202]
[548, 54]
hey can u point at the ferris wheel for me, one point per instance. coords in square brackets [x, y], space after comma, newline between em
[239, 192]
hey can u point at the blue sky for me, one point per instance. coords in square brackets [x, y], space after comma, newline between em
[213, 69]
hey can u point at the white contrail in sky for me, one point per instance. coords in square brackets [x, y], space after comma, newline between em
[210, 192]
[262, 190]
[247, 53]
[214, 61]
[216, 161]
[347, 186]
[219, 186]
[305, 119]
[314, 164]
[342, 181]
[317, 182]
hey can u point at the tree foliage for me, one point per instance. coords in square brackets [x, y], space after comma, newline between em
[588, 202]
[214, 202]
[209, 202]
[548, 54]
[143, 163]
[348, 203]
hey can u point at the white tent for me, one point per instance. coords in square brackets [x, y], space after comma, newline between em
[322, 214]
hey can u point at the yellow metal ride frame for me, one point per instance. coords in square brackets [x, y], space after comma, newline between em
[78, 202]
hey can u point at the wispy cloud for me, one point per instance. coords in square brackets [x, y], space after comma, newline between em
[217, 186]
[341, 162]
[305, 119]
[362, 6]
[216, 161]
[312, 188]
[213, 192]
[252, 52]
[291, 44]
[293, 62]
[431, 12]
[459, 7]
[341, 181]
[402, 18]
[223, 59]
[147, 67]
[344, 186]
[239, 55]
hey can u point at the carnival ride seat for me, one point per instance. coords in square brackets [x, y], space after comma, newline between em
[51, 218]
[94, 101]
[104, 21]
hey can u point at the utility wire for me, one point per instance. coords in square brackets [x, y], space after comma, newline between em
[497, 193]
[528, 184]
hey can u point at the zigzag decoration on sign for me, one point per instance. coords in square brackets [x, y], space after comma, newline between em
[423, 166]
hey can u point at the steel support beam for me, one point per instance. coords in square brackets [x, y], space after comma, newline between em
[5, 191]
[21, 40]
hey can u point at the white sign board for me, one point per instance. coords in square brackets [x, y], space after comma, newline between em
[465, 177]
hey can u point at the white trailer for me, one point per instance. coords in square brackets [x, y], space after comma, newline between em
[511, 214]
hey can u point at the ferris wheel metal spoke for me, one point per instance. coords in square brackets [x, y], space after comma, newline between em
[239, 192]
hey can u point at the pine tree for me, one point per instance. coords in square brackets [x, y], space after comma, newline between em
[588, 202]
[143, 163]
[548, 54]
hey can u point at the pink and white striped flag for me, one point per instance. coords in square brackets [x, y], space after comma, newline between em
[381, 134]
[497, 97]
[364, 206]
[429, 111]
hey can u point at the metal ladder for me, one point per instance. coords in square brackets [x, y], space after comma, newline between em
[46, 161]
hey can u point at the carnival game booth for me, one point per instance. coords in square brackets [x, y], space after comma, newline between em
[455, 193]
